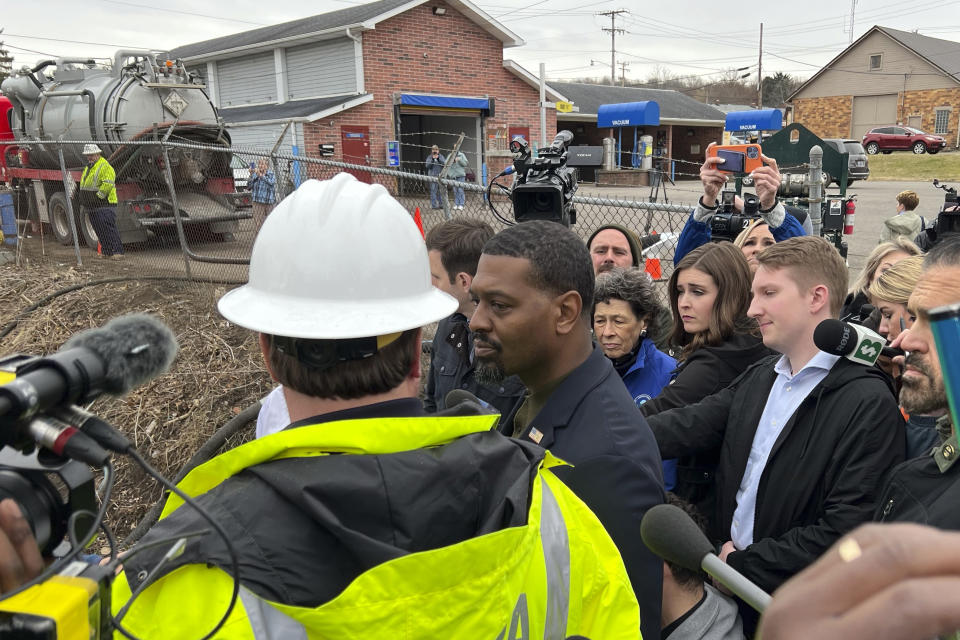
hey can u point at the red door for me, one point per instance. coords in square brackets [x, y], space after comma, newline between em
[356, 149]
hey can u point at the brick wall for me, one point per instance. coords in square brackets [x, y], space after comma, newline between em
[828, 117]
[419, 52]
[925, 103]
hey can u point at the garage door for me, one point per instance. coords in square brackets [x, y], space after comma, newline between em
[263, 137]
[872, 111]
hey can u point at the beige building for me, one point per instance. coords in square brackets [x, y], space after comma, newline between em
[886, 77]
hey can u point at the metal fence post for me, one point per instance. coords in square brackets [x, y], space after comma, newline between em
[168, 177]
[67, 181]
[816, 188]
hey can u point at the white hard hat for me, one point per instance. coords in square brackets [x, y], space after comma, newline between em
[337, 259]
[90, 149]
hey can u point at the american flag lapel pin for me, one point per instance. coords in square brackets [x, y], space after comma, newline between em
[536, 435]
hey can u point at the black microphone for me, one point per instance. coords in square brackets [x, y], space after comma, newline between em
[457, 397]
[892, 352]
[113, 359]
[674, 536]
[856, 343]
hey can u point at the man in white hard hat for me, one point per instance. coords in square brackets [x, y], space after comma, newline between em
[99, 198]
[365, 516]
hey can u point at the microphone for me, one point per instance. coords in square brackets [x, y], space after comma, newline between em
[457, 397]
[854, 342]
[892, 352]
[672, 535]
[113, 359]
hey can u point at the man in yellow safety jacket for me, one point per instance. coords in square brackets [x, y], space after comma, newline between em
[98, 184]
[366, 517]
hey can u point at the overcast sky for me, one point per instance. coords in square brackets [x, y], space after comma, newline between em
[682, 36]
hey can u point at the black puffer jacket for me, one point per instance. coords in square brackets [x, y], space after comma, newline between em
[823, 476]
[706, 371]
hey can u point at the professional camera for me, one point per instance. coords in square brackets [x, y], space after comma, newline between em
[727, 224]
[948, 220]
[545, 185]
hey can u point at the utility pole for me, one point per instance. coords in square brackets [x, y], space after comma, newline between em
[613, 30]
[853, 8]
[623, 73]
[760, 72]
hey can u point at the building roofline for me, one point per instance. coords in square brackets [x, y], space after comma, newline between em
[507, 37]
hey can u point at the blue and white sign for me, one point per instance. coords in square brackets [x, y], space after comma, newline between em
[754, 120]
[393, 153]
[629, 114]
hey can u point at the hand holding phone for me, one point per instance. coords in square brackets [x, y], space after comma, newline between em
[737, 158]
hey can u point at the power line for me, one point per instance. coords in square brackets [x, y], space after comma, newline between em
[186, 13]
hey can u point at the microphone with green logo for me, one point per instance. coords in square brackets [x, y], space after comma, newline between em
[852, 341]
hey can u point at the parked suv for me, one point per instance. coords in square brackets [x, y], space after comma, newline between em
[857, 166]
[887, 139]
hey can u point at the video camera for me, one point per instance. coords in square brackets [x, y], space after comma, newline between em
[545, 185]
[948, 219]
[727, 224]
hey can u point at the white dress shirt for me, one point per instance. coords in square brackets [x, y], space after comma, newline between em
[788, 391]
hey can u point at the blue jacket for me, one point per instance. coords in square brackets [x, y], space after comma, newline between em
[591, 422]
[649, 374]
[695, 234]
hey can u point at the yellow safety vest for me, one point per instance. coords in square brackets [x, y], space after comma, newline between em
[100, 177]
[557, 576]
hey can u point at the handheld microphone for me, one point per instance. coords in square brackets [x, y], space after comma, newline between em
[672, 535]
[459, 396]
[854, 342]
[112, 359]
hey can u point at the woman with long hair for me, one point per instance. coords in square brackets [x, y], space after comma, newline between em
[714, 343]
[752, 240]
[883, 256]
[889, 293]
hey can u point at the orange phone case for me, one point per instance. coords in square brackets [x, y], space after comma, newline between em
[751, 155]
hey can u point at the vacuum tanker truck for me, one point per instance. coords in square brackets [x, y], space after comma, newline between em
[46, 108]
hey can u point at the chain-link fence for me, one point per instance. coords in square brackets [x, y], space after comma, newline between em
[194, 209]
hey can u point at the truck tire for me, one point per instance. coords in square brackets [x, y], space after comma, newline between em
[86, 231]
[60, 218]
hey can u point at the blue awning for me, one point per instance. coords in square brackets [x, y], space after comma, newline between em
[446, 102]
[628, 114]
[755, 120]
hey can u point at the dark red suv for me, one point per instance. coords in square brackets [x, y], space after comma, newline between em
[887, 139]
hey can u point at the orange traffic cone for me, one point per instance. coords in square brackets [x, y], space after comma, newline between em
[419, 220]
[653, 268]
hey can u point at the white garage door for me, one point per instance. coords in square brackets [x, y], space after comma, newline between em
[263, 137]
[872, 111]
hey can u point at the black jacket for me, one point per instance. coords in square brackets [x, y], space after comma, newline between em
[925, 490]
[706, 371]
[591, 421]
[305, 528]
[823, 476]
[450, 368]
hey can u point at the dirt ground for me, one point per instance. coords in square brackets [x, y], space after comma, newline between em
[217, 373]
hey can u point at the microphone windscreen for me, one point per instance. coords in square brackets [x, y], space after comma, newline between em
[671, 534]
[135, 348]
[835, 337]
[458, 396]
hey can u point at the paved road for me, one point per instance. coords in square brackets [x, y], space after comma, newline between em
[876, 201]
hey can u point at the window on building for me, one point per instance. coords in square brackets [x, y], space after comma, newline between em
[875, 60]
[941, 121]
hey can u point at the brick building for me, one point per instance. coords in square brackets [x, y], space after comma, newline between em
[395, 70]
[686, 125]
[886, 77]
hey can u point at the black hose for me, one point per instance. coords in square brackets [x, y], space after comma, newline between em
[10, 326]
[204, 453]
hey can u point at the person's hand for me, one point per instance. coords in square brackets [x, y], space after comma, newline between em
[766, 182]
[891, 581]
[712, 178]
[726, 550]
[20, 558]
